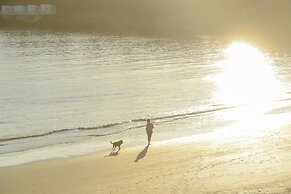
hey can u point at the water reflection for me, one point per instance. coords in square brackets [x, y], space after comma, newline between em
[248, 82]
[248, 77]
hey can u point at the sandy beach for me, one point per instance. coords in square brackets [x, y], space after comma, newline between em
[257, 162]
[213, 77]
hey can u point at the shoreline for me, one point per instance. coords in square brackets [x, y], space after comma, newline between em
[216, 163]
[65, 152]
[94, 146]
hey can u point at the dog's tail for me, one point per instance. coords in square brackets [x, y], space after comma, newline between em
[111, 142]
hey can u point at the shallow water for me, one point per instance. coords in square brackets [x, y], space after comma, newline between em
[63, 90]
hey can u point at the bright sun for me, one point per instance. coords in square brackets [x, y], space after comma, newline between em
[248, 76]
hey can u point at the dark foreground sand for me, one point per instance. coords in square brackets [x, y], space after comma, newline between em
[214, 163]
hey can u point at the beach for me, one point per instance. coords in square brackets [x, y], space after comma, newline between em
[221, 111]
[214, 79]
[210, 163]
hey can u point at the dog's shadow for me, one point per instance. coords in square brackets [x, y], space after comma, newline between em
[112, 154]
[142, 154]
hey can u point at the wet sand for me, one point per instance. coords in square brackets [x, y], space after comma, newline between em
[212, 163]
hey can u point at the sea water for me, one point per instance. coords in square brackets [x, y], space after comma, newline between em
[64, 94]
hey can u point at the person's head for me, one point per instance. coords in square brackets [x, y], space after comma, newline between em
[148, 121]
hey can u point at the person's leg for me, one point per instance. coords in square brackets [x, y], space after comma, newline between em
[149, 138]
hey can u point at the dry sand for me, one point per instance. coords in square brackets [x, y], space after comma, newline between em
[253, 163]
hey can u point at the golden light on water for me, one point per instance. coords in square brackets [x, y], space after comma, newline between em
[247, 76]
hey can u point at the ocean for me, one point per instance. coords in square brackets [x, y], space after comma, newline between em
[66, 94]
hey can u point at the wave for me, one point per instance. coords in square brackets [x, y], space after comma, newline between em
[33, 135]
[118, 127]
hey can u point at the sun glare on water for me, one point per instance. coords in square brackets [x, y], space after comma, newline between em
[248, 76]
[247, 82]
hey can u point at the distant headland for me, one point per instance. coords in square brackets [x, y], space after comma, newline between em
[260, 19]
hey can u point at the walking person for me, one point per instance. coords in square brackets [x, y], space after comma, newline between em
[149, 130]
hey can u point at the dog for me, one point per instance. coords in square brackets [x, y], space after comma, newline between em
[116, 144]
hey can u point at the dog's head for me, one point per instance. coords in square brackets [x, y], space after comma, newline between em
[121, 142]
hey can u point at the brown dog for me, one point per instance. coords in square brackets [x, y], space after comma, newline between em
[116, 144]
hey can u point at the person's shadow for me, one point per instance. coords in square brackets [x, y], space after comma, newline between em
[142, 154]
